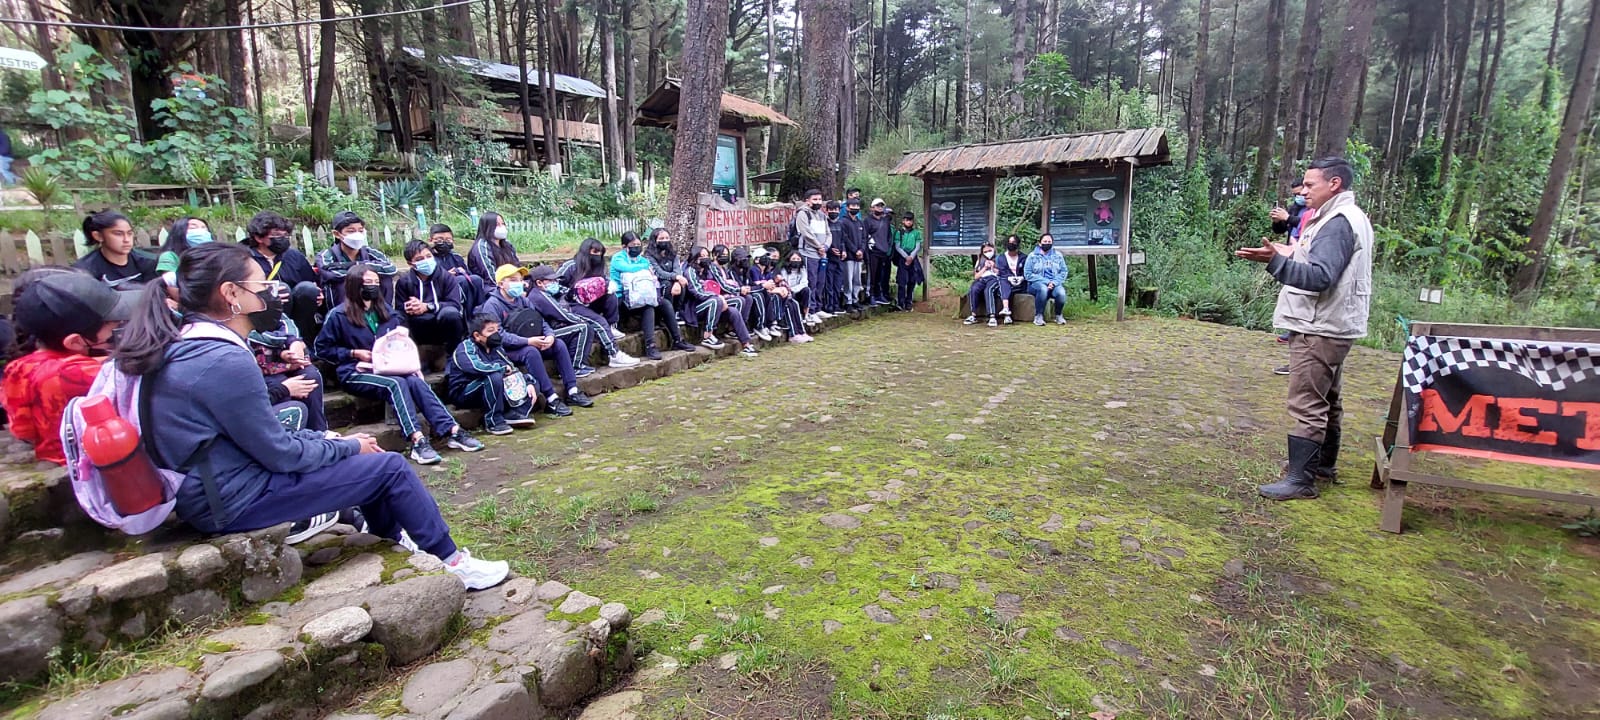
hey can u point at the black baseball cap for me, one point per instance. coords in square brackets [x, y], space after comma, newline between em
[61, 304]
[541, 272]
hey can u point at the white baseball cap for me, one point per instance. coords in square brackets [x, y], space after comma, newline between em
[758, 252]
[876, 202]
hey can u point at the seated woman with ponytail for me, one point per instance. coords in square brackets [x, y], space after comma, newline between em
[211, 420]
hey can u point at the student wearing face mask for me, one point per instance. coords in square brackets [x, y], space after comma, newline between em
[578, 332]
[811, 224]
[1046, 274]
[907, 260]
[481, 376]
[734, 291]
[742, 271]
[347, 339]
[795, 290]
[184, 234]
[855, 252]
[633, 266]
[349, 249]
[491, 248]
[268, 236]
[211, 421]
[711, 303]
[833, 272]
[430, 299]
[879, 225]
[671, 271]
[985, 287]
[585, 285]
[442, 242]
[1012, 265]
[528, 340]
[70, 319]
[768, 287]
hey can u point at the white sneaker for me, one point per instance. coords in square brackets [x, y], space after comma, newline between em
[764, 334]
[617, 334]
[409, 544]
[1061, 320]
[970, 320]
[477, 574]
[1038, 320]
[622, 360]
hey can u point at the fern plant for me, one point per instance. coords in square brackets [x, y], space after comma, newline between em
[43, 185]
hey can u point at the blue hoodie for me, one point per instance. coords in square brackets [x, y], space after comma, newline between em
[210, 391]
[1044, 267]
[339, 336]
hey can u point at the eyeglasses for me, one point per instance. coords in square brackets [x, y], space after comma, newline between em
[278, 287]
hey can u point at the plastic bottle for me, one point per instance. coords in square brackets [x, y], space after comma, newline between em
[112, 444]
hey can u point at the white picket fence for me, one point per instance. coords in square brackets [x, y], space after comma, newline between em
[606, 230]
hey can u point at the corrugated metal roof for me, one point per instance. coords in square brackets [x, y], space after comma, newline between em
[660, 109]
[511, 73]
[1147, 145]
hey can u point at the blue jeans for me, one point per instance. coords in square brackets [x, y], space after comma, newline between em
[816, 280]
[1040, 294]
[383, 485]
[5, 170]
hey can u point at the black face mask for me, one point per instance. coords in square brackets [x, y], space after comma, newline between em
[444, 248]
[722, 259]
[277, 245]
[370, 293]
[665, 248]
[833, 216]
[494, 340]
[1046, 247]
[792, 265]
[816, 206]
[270, 316]
[635, 250]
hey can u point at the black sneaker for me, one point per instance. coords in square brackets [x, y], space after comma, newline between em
[582, 371]
[554, 406]
[308, 528]
[1281, 370]
[464, 441]
[652, 354]
[682, 346]
[500, 428]
[577, 397]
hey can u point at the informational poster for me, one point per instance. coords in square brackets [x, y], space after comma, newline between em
[1085, 210]
[736, 224]
[725, 174]
[958, 216]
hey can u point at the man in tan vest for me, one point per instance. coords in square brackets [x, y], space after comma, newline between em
[1327, 284]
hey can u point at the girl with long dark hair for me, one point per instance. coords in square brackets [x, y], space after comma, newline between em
[491, 248]
[589, 263]
[113, 258]
[210, 419]
[629, 266]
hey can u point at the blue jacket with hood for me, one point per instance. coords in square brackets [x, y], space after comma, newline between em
[339, 336]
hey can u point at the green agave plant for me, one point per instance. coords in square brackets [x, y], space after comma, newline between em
[44, 186]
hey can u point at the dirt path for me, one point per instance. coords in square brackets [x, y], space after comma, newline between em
[914, 518]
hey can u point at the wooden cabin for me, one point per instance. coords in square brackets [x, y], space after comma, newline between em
[739, 114]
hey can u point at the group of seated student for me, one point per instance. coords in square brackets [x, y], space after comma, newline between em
[1041, 273]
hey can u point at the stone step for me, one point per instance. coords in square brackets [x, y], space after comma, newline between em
[535, 650]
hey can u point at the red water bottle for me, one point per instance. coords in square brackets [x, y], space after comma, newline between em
[112, 444]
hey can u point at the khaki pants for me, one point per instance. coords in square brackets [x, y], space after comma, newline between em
[1316, 365]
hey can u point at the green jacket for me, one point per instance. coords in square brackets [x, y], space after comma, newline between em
[907, 242]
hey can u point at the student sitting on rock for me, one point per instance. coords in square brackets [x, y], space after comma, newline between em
[347, 339]
[528, 340]
[209, 410]
[113, 257]
[586, 285]
[712, 304]
[70, 318]
[350, 248]
[481, 376]
[632, 266]
[578, 332]
[430, 299]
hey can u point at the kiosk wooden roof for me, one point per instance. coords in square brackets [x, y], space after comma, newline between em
[1143, 147]
[660, 109]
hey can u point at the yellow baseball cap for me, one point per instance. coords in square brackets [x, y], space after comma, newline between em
[505, 271]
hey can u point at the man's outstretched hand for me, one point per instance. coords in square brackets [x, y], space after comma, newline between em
[1265, 252]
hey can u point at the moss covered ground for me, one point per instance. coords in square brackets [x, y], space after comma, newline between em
[912, 518]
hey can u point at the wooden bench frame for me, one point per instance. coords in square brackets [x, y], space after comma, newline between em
[1392, 469]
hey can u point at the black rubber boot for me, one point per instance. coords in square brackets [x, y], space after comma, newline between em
[1297, 483]
[1324, 470]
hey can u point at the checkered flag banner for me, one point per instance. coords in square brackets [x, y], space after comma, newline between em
[1551, 365]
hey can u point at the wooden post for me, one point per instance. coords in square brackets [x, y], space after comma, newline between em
[927, 240]
[1122, 252]
[1044, 214]
[1094, 279]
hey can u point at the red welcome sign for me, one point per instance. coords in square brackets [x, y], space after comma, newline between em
[734, 225]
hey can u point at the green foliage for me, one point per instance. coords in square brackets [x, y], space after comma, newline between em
[88, 128]
[1588, 527]
[44, 186]
[205, 139]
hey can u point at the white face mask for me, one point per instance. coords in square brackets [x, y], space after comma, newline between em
[988, 253]
[355, 240]
[501, 232]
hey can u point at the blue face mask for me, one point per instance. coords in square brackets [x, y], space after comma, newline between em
[426, 267]
[198, 237]
[1300, 200]
[516, 290]
[552, 290]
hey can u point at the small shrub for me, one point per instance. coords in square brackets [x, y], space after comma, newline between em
[43, 185]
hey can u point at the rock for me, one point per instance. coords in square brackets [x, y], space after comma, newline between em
[617, 706]
[525, 632]
[1051, 525]
[1403, 668]
[551, 590]
[1233, 569]
[361, 540]
[362, 571]
[598, 631]
[500, 701]
[830, 627]
[55, 574]
[253, 637]
[338, 628]
[197, 606]
[323, 556]
[272, 580]
[199, 563]
[140, 577]
[657, 667]
[955, 437]
[840, 521]
[768, 541]
[410, 617]
[648, 617]
[29, 630]
[1066, 634]
[863, 508]
[164, 710]
[1130, 544]
[1086, 525]
[728, 661]
[424, 562]
[1008, 606]
[240, 673]
[772, 590]
[617, 615]
[111, 698]
[696, 643]
[433, 685]
[566, 674]
[135, 627]
[878, 614]
[578, 602]
[1159, 560]
[1120, 648]
[1208, 670]
[1174, 553]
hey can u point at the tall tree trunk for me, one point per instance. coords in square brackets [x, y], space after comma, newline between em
[322, 101]
[1486, 95]
[608, 75]
[847, 98]
[1526, 282]
[547, 95]
[238, 91]
[1138, 49]
[1452, 123]
[1019, 60]
[459, 18]
[772, 82]
[968, 114]
[824, 51]
[255, 65]
[1305, 61]
[1271, 100]
[1547, 86]
[694, 152]
[1229, 108]
[1197, 90]
[1351, 63]
[524, 93]
[629, 89]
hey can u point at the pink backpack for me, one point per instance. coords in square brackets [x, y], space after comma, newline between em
[589, 290]
[88, 486]
[396, 354]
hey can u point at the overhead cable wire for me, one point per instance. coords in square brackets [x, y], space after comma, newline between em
[232, 28]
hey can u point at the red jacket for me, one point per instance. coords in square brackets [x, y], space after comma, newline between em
[35, 392]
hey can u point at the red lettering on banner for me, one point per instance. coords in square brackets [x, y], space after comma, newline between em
[1515, 425]
[1435, 414]
[744, 226]
[1591, 422]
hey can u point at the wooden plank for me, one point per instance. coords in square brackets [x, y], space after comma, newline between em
[35, 248]
[8, 254]
[1507, 332]
[1535, 493]
[1391, 426]
[58, 250]
[1122, 255]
